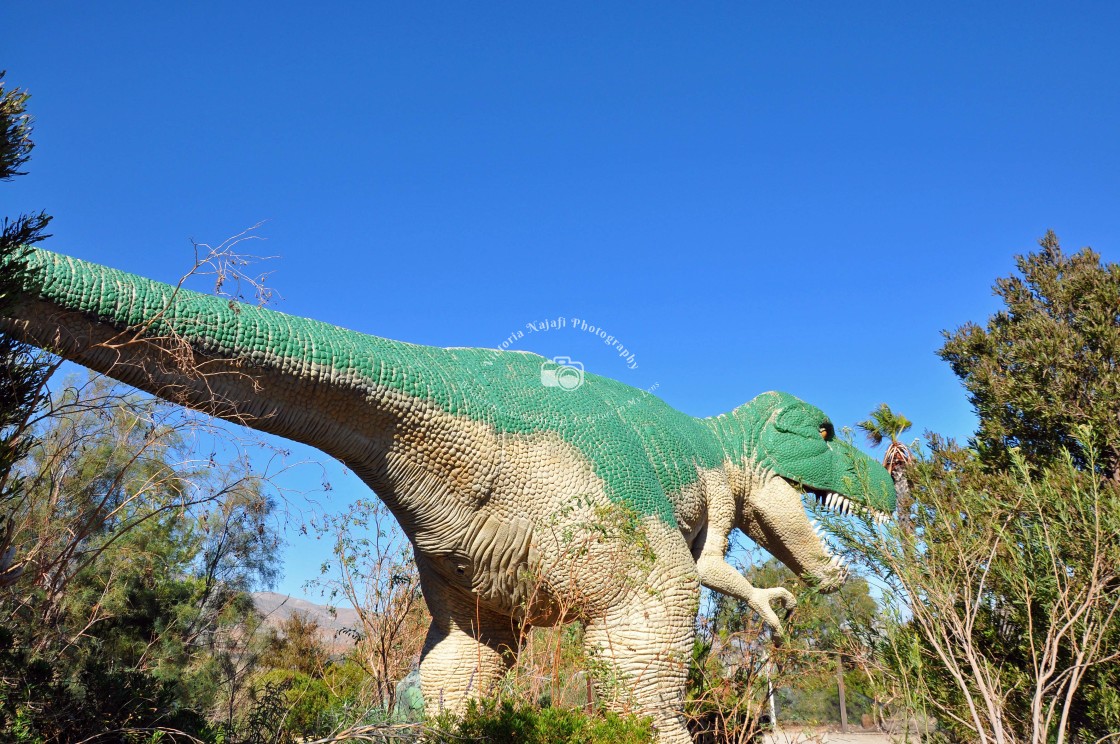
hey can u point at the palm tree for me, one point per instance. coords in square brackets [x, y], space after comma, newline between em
[885, 424]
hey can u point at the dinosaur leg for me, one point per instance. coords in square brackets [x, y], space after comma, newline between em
[467, 650]
[641, 646]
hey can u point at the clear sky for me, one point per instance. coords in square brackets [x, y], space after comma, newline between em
[750, 196]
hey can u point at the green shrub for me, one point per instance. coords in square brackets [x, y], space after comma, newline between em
[41, 700]
[306, 699]
[495, 722]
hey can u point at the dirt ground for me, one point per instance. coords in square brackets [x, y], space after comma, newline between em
[812, 737]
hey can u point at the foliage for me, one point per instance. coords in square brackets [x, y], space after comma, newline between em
[735, 666]
[298, 646]
[373, 571]
[884, 424]
[42, 701]
[296, 667]
[15, 131]
[15, 149]
[23, 369]
[495, 722]
[1047, 363]
[118, 587]
[1012, 584]
[553, 668]
[302, 705]
[1004, 597]
[266, 719]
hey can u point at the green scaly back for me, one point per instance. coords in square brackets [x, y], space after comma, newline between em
[640, 447]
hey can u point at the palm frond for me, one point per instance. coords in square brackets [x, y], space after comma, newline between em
[884, 424]
[871, 428]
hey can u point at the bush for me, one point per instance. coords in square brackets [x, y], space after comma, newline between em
[491, 721]
[306, 699]
[40, 701]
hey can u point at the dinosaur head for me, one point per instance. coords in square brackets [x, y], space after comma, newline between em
[796, 454]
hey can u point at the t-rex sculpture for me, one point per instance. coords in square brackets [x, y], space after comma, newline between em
[526, 503]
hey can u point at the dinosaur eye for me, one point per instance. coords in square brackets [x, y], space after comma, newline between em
[826, 430]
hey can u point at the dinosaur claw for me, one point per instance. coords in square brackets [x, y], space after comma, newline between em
[760, 603]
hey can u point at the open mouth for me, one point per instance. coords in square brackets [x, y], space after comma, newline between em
[842, 505]
[819, 499]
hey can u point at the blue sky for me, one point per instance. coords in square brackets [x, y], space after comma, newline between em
[749, 196]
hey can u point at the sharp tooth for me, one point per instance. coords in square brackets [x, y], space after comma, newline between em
[830, 501]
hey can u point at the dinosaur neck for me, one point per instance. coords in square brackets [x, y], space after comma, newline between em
[738, 432]
[290, 376]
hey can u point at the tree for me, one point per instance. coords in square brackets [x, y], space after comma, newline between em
[105, 463]
[1044, 376]
[23, 369]
[137, 558]
[1005, 595]
[1047, 363]
[15, 150]
[298, 646]
[735, 668]
[373, 570]
[885, 424]
[125, 557]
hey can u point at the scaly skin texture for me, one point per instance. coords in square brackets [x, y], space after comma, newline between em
[525, 504]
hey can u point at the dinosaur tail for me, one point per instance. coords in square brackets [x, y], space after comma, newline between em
[288, 375]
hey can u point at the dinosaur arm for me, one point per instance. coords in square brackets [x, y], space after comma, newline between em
[719, 575]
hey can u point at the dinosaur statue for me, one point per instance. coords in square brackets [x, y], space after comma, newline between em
[526, 503]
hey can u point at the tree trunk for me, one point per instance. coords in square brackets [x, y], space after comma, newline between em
[902, 491]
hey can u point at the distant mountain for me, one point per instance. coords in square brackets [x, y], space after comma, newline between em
[276, 608]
